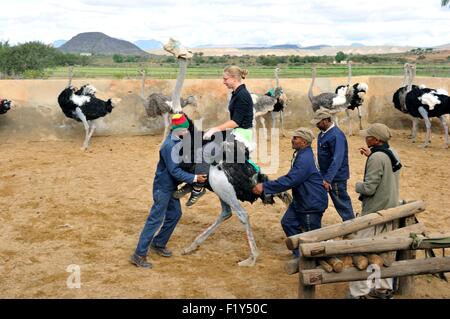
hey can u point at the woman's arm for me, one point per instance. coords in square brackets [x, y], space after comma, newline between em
[230, 124]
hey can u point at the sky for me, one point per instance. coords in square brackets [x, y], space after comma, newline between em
[223, 22]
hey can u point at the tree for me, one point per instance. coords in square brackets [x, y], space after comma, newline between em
[340, 56]
[445, 3]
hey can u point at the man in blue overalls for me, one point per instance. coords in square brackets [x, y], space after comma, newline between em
[310, 199]
[166, 210]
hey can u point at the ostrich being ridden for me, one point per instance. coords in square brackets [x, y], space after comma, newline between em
[230, 180]
[355, 97]
[157, 104]
[5, 105]
[273, 101]
[82, 106]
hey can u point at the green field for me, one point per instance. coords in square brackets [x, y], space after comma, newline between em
[205, 72]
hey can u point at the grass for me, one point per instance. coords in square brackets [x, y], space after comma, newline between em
[211, 72]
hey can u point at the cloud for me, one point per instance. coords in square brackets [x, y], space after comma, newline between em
[195, 22]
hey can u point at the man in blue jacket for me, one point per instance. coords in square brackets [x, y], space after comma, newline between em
[310, 198]
[166, 210]
[332, 155]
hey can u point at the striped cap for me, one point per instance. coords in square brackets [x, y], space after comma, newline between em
[179, 121]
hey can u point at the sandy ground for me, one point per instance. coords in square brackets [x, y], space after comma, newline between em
[60, 206]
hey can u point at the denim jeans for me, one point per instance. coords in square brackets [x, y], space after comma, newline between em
[294, 223]
[341, 200]
[166, 211]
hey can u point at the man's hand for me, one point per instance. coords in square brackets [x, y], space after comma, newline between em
[365, 151]
[258, 189]
[327, 186]
[210, 133]
[202, 178]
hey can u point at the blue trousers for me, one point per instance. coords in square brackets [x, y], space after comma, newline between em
[294, 223]
[341, 200]
[164, 215]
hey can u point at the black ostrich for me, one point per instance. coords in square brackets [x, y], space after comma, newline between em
[82, 106]
[355, 95]
[5, 105]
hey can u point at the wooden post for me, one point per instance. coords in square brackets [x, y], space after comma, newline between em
[351, 226]
[406, 284]
[397, 269]
[306, 291]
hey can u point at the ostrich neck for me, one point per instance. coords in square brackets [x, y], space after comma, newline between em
[349, 79]
[178, 86]
[405, 77]
[310, 93]
[143, 86]
[277, 80]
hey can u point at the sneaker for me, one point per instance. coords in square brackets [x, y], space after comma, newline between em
[195, 196]
[162, 251]
[140, 261]
[187, 188]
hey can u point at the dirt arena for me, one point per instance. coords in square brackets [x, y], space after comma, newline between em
[61, 206]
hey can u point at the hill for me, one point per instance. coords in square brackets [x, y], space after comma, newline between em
[100, 43]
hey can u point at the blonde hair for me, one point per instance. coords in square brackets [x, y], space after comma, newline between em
[236, 72]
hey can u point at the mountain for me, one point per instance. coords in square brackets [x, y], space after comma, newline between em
[443, 47]
[58, 43]
[315, 47]
[357, 45]
[273, 47]
[149, 44]
[100, 43]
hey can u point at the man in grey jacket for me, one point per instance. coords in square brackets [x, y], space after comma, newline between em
[378, 191]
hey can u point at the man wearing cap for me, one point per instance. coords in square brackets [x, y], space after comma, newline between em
[332, 155]
[310, 198]
[378, 191]
[166, 211]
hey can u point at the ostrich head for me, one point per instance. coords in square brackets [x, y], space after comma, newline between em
[190, 100]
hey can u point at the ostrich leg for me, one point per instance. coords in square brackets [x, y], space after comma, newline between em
[166, 125]
[243, 217]
[349, 119]
[92, 127]
[445, 125]
[415, 122]
[282, 123]
[360, 117]
[424, 114]
[224, 215]
[86, 127]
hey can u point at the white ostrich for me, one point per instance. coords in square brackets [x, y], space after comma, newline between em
[157, 104]
[220, 176]
[273, 102]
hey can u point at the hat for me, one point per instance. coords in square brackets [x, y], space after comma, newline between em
[320, 115]
[305, 133]
[179, 121]
[379, 131]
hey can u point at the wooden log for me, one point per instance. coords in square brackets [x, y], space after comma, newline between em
[306, 291]
[406, 284]
[336, 263]
[291, 267]
[418, 228]
[351, 226]
[375, 259]
[325, 266]
[347, 260]
[361, 262]
[388, 258]
[365, 245]
[397, 269]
